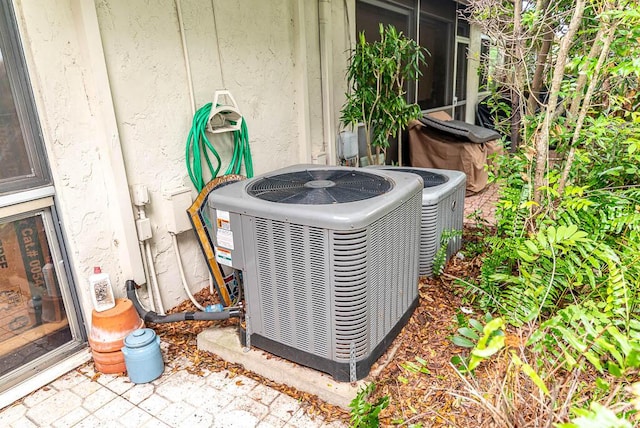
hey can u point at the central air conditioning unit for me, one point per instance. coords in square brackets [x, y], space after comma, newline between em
[442, 209]
[329, 258]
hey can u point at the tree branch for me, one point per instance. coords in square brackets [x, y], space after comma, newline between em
[586, 103]
[542, 142]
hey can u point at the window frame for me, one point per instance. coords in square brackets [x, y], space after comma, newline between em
[15, 63]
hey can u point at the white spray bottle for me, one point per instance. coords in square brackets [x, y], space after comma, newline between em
[101, 291]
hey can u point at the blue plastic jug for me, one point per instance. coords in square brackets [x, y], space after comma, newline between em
[142, 355]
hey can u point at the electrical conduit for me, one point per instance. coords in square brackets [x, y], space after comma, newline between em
[145, 261]
[145, 266]
[153, 278]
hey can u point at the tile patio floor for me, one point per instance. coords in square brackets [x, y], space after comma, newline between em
[177, 398]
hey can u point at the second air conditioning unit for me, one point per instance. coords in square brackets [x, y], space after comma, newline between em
[442, 210]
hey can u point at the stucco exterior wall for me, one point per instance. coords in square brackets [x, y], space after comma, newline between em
[81, 140]
[113, 94]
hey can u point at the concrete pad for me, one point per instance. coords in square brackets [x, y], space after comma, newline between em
[225, 343]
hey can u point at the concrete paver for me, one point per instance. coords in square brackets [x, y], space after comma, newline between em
[135, 417]
[98, 399]
[12, 414]
[70, 419]
[54, 407]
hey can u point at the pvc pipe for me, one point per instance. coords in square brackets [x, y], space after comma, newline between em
[176, 249]
[185, 54]
[154, 278]
[149, 316]
[301, 80]
[145, 266]
[326, 79]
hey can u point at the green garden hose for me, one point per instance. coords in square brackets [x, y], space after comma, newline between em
[198, 148]
[241, 152]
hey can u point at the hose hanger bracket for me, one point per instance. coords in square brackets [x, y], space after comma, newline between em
[224, 116]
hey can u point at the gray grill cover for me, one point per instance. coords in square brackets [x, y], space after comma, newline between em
[432, 148]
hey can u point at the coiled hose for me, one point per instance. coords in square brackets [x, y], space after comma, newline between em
[199, 148]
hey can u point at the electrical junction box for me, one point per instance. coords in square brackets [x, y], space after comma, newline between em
[140, 195]
[143, 225]
[347, 144]
[176, 215]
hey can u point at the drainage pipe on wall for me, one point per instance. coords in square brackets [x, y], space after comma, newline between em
[302, 81]
[326, 79]
[185, 54]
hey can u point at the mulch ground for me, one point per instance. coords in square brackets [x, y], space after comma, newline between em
[415, 372]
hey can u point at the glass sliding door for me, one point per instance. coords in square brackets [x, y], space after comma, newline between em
[33, 291]
[38, 320]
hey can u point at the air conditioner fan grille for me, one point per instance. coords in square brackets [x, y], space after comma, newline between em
[431, 179]
[319, 187]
